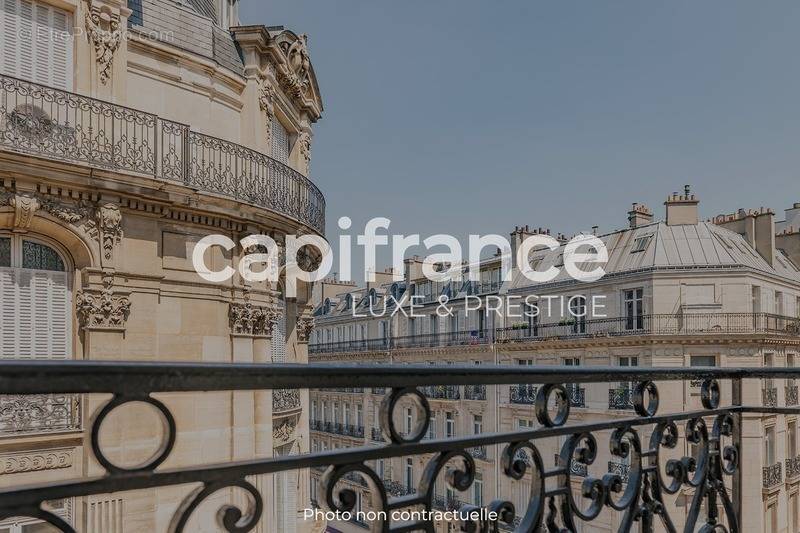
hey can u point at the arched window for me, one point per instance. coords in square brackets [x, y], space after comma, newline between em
[35, 300]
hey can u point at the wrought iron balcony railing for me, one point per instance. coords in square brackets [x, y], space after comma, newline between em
[791, 395]
[792, 468]
[442, 392]
[39, 413]
[769, 396]
[284, 400]
[655, 324]
[478, 452]
[620, 469]
[475, 392]
[661, 324]
[620, 398]
[447, 503]
[772, 475]
[55, 124]
[711, 470]
[523, 394]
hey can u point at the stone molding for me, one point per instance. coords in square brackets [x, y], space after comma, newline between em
[283, 431]
[15, 463]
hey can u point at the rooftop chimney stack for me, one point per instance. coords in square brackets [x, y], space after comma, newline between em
[682, 209]
[639, 215]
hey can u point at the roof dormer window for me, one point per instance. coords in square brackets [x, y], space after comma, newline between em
[641, 244]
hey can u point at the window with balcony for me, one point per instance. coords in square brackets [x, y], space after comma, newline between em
[633, 302]
[281, 147]
[313, 409]
[360, 415]
[346, 412]
[335, 417]
[769, 445]
[35, 301]
[324, 411]
[432, 427]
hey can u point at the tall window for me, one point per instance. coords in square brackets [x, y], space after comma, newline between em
[324, 411]
[477, 425]
[360, 415]
[769, 446]
[280, 141]
[791, 438]
[449, 425]
[335, 412]
[346, 412]
[634, 308]
[577, 307]
[314, 410]
[36, 42]
[35, 301]
[409, 421]
[409, 474]
[432, 426]
[477, 490]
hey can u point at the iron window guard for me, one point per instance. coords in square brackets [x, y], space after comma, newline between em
[718, 447]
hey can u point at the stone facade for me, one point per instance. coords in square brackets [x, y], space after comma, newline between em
[123, 241]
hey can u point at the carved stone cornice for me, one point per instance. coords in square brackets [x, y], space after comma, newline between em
[34, 461]
[304, 326]
[103, 310]
[248, 319]
[104, 32]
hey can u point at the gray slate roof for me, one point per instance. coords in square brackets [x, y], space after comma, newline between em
[188, 25]
[704, 245]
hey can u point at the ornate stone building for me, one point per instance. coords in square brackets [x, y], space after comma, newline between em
[678, 292]
[128, 132]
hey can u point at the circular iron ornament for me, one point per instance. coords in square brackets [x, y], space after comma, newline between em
[697, 433]
[710, 394]
[345, 500]
[169, 432]
[515, 467]
[652, 398]
[40, 514]
[562, 405]
[229, 517]
[724, 426]
[388, 407]
[580, 448]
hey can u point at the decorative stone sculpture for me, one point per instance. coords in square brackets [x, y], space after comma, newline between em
[104, 32]
[103, 311]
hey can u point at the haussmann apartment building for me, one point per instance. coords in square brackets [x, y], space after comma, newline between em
[129, 130]
[678, 292]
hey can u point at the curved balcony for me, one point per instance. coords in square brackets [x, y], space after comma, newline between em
[63, 126]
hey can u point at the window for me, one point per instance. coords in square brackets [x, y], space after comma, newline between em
[409, 474]
[432, 426]
[324, 411]
[35, 301]
[524, 423]
[477, 424]
[45, 56]
[634, 308]
[381, 468]
[359, 415]
[335, 417]
[314, 410]
[477, 490]
[641, 244]
[346, 412]
[280, 142]
[409, 421]
[778, 303]
[449, 425]
[769, 446]
[577, 308]
[791, 437]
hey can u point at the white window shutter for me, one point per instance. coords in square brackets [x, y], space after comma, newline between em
[280, 141]
[35, 314]
[36, 42]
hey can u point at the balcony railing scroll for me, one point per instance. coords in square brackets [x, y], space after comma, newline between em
[793, 468]
[710, 471]
[39, 413]
[769, 396]
[55, 124]
[791, 395]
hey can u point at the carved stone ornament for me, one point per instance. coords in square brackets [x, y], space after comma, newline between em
[304, 143]
[104, 32]
[295, 78]
[266, 101]
[15, 463]
[283, 431]
[25, 207]
[304, 327]
[248, 319]
[285, 400]
[104, 310]
[109, 219]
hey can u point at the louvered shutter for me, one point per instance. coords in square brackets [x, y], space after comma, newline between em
[280, 141]
[36, 42]
[35, 314]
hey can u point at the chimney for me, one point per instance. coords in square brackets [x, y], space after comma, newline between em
[639, 215]
[757, 227]
[517, 237]
[682, 209]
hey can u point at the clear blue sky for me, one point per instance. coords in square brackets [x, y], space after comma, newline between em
[462, 116]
